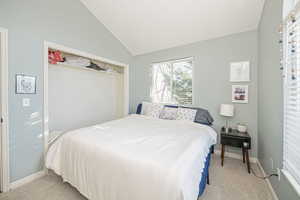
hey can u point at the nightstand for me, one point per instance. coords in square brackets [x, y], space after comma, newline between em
[236, 139]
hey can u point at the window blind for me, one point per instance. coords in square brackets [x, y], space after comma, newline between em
[291, 138]
[172, 82]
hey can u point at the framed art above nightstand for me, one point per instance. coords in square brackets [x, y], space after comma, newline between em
[240, 94]
[240, 71]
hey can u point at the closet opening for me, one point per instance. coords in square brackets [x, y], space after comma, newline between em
[80, 90]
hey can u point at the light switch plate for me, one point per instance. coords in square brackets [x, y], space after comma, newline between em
[34, 115]
[26, 102]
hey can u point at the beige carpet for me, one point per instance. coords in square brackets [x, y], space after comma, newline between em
[231, 182]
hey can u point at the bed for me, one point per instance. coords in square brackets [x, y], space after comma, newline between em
[134, 158]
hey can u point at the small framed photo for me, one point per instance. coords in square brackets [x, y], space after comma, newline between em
[25, 84]
[240, 94]
[240, 71]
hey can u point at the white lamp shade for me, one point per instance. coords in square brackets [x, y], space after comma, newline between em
[227, 110]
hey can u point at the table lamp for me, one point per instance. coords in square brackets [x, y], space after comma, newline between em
[227, 110]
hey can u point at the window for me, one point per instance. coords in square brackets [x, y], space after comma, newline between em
[291, 139]
[172, 82]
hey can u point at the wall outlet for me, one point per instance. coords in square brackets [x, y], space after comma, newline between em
[272, 163]
[278, 173]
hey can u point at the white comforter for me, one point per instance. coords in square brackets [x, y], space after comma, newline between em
[134, 158]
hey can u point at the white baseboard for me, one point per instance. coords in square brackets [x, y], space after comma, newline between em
[27, 179]
[268, 181]
[236, 156]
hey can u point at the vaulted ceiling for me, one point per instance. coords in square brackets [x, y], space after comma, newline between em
[145, 26]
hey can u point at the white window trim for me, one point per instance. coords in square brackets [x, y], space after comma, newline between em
[174, 61]
[291, 180]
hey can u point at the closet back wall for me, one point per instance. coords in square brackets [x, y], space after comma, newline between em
[80, 98]
[65, 22]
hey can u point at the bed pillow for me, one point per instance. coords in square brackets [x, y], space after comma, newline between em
[144, 107]
[186, 114]
[169, 113]
[151, 109]
[202, 115]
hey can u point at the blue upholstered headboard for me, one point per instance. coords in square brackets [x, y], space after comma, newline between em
[202, 115]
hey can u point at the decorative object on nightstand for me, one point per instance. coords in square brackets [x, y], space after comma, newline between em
[241, 127]
[227, 110]
[236, 139]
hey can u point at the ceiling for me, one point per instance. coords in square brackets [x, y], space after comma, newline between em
[145, 26]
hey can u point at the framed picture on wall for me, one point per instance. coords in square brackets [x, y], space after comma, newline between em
[240, 71]
[25, 84]
[240, 94]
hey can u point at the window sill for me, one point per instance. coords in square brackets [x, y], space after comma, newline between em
[292, 181]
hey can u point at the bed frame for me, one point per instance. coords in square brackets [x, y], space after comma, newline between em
[205, 173]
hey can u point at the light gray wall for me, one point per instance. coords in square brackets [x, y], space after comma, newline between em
[270, 98]
[211, 76]
[30, 22]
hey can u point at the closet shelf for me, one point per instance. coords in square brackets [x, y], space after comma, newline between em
[83, 68]
[70, 60]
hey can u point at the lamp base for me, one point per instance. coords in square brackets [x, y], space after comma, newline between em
[226, 130]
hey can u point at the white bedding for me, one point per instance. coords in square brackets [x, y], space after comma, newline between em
[134, 158]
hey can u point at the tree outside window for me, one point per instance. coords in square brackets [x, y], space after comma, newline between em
[172, 82]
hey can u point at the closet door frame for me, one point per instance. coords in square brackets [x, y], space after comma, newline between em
[51, 45]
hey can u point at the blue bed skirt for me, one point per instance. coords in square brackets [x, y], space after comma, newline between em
[205, 174]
